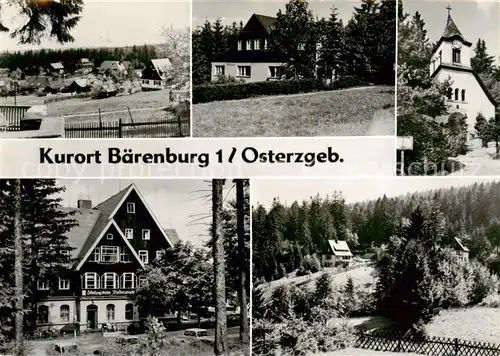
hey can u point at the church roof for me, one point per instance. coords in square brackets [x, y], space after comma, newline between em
[451, 31]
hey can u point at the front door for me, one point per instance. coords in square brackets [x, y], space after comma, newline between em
[92, 317]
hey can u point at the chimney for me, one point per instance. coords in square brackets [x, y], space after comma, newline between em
[84, 204]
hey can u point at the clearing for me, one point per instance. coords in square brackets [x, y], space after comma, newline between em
[349, 112]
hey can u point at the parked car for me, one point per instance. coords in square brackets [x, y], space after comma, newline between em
[65, 348]
[196, 334]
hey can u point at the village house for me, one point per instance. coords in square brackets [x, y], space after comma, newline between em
[154, 76]
[339, 254]
[451, 58]
[249, 57]
[56, 68]
[111, 243]
[461, 251]
[112, 68]
[85, 63]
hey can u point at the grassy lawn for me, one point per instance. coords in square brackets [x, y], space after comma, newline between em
[477, 324]
[334, 113]
[363, 352]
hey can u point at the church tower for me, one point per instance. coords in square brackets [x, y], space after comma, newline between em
[451, 59]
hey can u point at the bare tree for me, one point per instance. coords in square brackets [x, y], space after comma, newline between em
[220, 346]
[240, 228]
[18, 270]
[177, 49]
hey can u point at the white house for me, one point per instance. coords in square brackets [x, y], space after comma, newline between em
[338, 254]
[155, 75]
[452, 59]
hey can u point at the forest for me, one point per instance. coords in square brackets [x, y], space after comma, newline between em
[364, 46]
[471, 213]
[30, 62]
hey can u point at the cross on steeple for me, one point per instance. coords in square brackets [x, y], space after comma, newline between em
[449, 10]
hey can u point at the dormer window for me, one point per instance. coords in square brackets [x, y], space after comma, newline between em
[240, 45]
[456, 55]
[249, 45]
[131, 208]
[256, 44]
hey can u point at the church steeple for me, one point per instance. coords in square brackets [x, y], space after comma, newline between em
[451, 30]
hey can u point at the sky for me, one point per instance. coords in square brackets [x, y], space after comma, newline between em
[177, 203]
[241, 10]
[353, 190]
[474, 18]
[112, 23]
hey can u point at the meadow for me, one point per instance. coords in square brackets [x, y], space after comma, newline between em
[349, 112]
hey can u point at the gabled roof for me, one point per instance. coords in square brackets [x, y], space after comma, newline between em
[461, 245]
[339, 248]
[173, 235]
[108, 209]
[267, 22]
[84, 60]
[57, 65]
[161, 65]
[78, 235]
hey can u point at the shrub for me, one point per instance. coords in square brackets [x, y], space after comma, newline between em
[311, 263]
[485, 283]
[348, 81]
[491, 301]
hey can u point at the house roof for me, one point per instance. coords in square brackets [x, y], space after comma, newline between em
[78, 235]
[173, 235]
[57, 65]
[107, 64]
[339, 248]
[84, 60]
[461, 245]
[161, 65]
[267, 22]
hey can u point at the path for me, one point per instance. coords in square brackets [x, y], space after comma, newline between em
[479, 161]
[383, 123]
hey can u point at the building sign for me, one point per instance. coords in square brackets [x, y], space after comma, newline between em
[405, 143]
[98, 292]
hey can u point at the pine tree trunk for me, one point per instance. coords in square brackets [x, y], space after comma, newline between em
[240, 224]
[18, 270]
[220, 346]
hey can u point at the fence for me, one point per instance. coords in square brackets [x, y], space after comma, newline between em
[11, 116]
[382, 340]
[118, 129]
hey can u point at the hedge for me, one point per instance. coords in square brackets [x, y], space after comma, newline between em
[217, 92]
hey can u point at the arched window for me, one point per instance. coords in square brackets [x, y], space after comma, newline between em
[129, 311]
[128, 280]
[64, 312]
[43, 314]
[456, 94]
[110, 312]
[109, 280]
[450, 93]
[463, 94]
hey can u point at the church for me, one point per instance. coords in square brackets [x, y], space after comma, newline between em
[451, 58]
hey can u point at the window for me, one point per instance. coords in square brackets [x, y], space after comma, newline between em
[240, 45]
[145, 234]
[220, 70]
[249, 45]
[110, 254]
[157, 82]
[456, 94]
[129, 234]
[145, 81]
[256, 44]
[109, 280]
[275, 71]
[159, 253]
[125, 257]
[463, 94]
[43, 314]
[95, 256]
[449, 93]
[90, 281]
[63, 284]
[64, 312]
[456, 55]
[110, 312]
[129, 311]
[266, 44]
[43, 285]
[131, 208]
[109, 236]
[244, 71]
[128, 280]
[143, 255]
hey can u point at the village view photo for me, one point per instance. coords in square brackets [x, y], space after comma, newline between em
[124, 267]
[376, 267]
[293, 68]
[448, 119]
[89, 69]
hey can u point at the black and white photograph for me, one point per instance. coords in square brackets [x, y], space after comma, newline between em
[448, 88]
[293, 68]
[380, 266]
[95, 69]
[124, 267]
